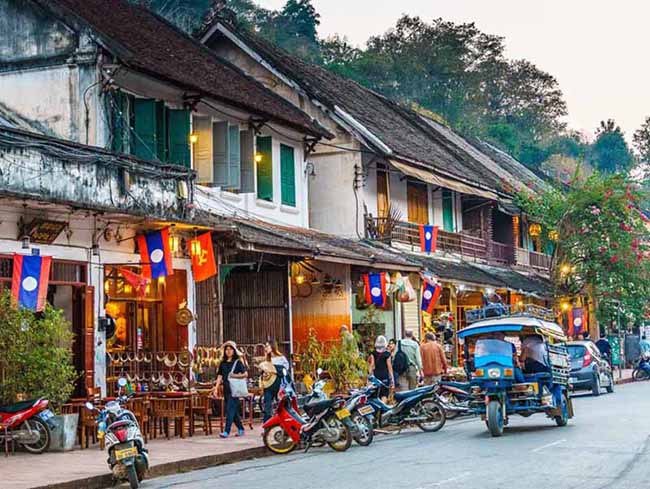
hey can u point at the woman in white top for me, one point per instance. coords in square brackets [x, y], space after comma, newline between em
[280, 362]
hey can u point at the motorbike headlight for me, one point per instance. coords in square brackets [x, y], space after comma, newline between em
[494, 373]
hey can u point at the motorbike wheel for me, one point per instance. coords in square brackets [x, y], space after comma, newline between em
[133, 477]
[563, 419]
[436, 417]
[43, 443]
[345, 436]
[366, 432]
[639, 374]
[495, 418]
[451, 400]
[278, 441]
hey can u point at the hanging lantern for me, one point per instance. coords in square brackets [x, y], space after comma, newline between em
[174, 243]
[258, 157]
[195, 247]
[535, 230]
[553, 235]
[300, 279]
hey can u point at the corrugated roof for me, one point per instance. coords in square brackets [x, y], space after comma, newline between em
[147, 43]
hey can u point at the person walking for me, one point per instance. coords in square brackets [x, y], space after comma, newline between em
[381, 366]
[409, 379]
[392, 349]
[232, 366]
[434, 362]
[272, 373]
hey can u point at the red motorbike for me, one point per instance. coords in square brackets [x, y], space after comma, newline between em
[329, 422]
[27, 425]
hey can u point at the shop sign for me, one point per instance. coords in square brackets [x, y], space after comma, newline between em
[44, 231]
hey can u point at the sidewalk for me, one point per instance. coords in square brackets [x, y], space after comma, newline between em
[87, 469]
[625, 376]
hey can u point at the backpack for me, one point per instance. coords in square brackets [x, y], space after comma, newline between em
[400, 361]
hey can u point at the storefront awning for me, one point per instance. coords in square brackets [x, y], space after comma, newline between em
[440, 181]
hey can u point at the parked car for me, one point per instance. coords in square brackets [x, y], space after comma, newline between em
[589, 369]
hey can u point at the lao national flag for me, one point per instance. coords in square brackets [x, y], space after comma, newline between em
[29, 281]
[428, 238]
[155, 254]
[375, 288]
[430, 295]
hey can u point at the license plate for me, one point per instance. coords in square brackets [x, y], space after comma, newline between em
[126, 453]
[342, 413]
[573, 380]
[46, 414]
[363, 410]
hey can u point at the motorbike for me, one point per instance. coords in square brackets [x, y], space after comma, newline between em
[642, 369]
[419, 407]
[454, 397]
[362, 416]
[128, 458]
[27, 424]
[328, 422]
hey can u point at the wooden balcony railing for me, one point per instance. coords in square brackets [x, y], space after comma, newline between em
[538, 261]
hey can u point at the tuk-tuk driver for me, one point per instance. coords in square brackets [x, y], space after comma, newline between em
[533, 354]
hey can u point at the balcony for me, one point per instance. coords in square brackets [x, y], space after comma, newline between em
[463, 244]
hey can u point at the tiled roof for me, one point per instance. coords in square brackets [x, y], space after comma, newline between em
[411, 137]
[147, 43]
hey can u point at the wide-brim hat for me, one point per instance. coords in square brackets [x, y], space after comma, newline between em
[233, 345]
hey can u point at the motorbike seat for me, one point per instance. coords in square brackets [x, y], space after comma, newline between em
[400, 396]
[19, 406]
[464, 386]
[317, 407]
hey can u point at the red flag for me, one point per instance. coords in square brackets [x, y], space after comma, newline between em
[204, 265]
[138, 282]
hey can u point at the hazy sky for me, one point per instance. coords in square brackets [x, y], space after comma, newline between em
[596, 49]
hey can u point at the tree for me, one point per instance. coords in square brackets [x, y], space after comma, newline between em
[610, 152]
[641, 140]
[294, 28]
[602, 250]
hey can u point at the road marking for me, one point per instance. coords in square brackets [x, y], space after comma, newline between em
[548, 445]
[446, 481]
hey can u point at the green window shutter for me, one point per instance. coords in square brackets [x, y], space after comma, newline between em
[144, 127]
[220, 149]
[234, 158]
[265, 168]
[247, 153]
[288, 175]
[448, 210]
[162, 145]
[178, 123]
[203, 158]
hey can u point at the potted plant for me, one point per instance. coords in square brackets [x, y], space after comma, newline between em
[36, 361]
[346, 365]
[310, 358]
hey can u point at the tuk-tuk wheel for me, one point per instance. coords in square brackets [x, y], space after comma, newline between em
[563, 419]
[495, 418]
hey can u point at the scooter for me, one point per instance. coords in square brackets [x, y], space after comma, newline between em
[642, 369]
[454, 397]
[419, 407]
[362, 417]
[27, 424]
[128, 458]
[329, 422]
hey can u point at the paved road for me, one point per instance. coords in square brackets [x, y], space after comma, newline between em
[606, 446]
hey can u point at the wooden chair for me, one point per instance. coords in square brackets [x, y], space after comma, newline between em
[169, 410]
[87, 427]
[140, 409]
[201, 408]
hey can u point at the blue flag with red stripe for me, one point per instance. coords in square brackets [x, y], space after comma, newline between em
[375, 288]
[430, 295]
[29, 281]
[155, 254]
[428, 238]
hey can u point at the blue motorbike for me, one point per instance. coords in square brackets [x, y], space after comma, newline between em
[418, 407]
[642, 370]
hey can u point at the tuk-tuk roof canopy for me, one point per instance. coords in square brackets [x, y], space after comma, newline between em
[512, 324]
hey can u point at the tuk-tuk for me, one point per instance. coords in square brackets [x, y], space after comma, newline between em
[517, 362]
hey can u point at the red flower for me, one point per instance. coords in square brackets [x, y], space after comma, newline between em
[608, 193]
[615, 246]
[614, 259]
[602, 249]
[639, 257]
[625, 227]
[634, 244]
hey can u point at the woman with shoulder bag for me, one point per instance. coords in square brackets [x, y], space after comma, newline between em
[232, 373]
[272, 374]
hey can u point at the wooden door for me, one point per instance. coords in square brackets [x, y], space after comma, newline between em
[383, 200]
[417, 198]
[88, 294]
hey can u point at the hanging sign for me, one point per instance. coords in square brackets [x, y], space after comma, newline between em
[44, 231]
[29, 281]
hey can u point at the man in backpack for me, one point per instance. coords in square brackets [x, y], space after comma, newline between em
[408, 379]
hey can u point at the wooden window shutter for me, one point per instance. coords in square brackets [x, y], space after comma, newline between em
[448, 210]
[179, 137]
[144, 126]
[417, 200]
[265, 168]
[220, 151]
[203, 158]
[247, 154]
[234, 158]
[288, 175]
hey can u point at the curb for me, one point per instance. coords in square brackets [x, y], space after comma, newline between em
[627, 380]
[106, 480]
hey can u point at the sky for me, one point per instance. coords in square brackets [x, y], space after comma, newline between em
[595, 48]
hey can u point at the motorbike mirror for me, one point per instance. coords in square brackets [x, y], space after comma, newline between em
[319, 371]
[121, 382]
[90, 406]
